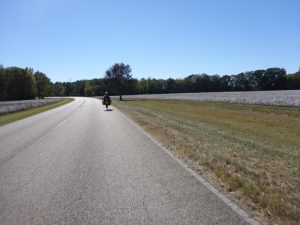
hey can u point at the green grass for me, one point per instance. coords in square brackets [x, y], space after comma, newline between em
[5, 119]
[252, 151]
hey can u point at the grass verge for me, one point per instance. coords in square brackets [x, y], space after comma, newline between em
[5, 119]
[251, 151]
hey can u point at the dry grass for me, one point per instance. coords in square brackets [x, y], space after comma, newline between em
[251, 151]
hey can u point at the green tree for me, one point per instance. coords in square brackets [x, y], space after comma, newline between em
[275, 78]
[242, 83]
[258, 79]
[190, 83]
[58, 89]
[30, 89]
[3, 84]
[293, 81]
[170, 85]
[89, 89]
[117, 78]
[226, 83]
[214, 83]
[43, 84]
[79, 87]
[132, 86]
[180, 86]
[98, 86]
[155, 86]
[202, 83]
[143, 86]
[20, 83]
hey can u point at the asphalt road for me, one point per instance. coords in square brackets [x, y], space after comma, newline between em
[80, 164]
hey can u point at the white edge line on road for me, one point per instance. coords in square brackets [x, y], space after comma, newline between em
[215, 191]
[61, 123]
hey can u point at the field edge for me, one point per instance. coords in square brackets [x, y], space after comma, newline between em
[15, 116]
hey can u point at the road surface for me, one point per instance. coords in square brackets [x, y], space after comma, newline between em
[79, 164]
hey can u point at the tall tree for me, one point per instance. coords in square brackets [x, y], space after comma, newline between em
[89, 89]
[68, 88]
[242, 82]
[170, 85]
[20, 83]
[79, 88]
[117, 78]
[258, 77]
[202, 83]
[98, 86]
[293, 81]
[226, 83]
[274, 78]
[43, 84]
[58, 89]
[3, 84]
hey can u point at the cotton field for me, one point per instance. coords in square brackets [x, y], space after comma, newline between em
[285, 98]
[14, 106]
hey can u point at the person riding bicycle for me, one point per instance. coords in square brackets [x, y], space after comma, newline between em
[106, 100]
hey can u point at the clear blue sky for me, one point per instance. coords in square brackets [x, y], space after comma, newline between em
[81, 39]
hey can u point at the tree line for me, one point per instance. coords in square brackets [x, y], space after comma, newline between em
[118, 81]
[23, 83]
[20, 84]
[258, 80]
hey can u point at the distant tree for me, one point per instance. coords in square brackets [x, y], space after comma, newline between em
[43, 84]
[117, 78]
[170, 86]
[242, 83]
[180, 88]
[3, 84]
[190, 83]
[20, 83]
[132, 87]
[258, 79]
[156, 86]
[214, 83]
[58, 89]
[89, 89]
[293, 81]
[98, 86]
[202, 83]
[226, 83]
[142, 87]
[68, 88]
[78, 88]
[29, 89]
[274, 79]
